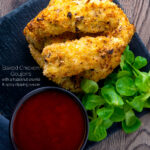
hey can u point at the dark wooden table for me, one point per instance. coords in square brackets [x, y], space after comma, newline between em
[138, 12]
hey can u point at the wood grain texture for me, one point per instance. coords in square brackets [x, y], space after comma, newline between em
[8, 5]
[138, 12]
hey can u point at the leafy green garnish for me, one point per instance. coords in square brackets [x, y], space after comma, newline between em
[105, 112]
[140, 62]
[133, 128]
[110, 95]
[126, 107]
[125, 86]
[124, 65]
[97, 131]
[118, 115]
[138, 102]
[124, 73]
[89, 86]
[107, 123]
[90, 101]
[142, 82]
[124, 92]
[129, 55]
[147, 104]
[130, 118]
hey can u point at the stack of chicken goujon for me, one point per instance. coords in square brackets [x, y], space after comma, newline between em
[76, 39]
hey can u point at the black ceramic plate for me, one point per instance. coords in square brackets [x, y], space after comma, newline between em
[14, 52]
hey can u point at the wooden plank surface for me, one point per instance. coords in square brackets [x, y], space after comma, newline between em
[138, 12]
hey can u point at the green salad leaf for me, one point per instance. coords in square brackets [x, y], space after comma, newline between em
[147, 103]
[118, 114]
[124, 65]
[129, 55]
[142, 82]
[105, 112]
[140, 62]
[110, 95]
[137, 103]
[130, 118]
[124, 73]
[97, 131]
[126, 107]
[125, 86]
[133, 128]
[124, 92]
[107, 123]
[90, 101]
[89, 86]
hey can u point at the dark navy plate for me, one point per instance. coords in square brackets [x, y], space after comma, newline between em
[14, 52]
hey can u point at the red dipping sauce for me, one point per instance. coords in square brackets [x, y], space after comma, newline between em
[49, 120]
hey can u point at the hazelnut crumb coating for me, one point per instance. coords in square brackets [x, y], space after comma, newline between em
[72, 51]
[71, 16]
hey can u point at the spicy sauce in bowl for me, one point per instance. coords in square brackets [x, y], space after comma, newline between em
[49, 118]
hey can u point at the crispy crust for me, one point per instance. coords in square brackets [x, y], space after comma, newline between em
[69, 57]
[36, 55]
[73, 57]
[71, 16]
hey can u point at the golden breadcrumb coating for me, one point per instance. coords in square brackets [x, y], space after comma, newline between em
[37, 56]
[73, 83]
[73, 57]
[72, 16]
[70, 55]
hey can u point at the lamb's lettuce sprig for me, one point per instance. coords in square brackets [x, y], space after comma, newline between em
[124, 92]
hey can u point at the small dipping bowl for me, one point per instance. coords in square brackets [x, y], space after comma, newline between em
[49, 118]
